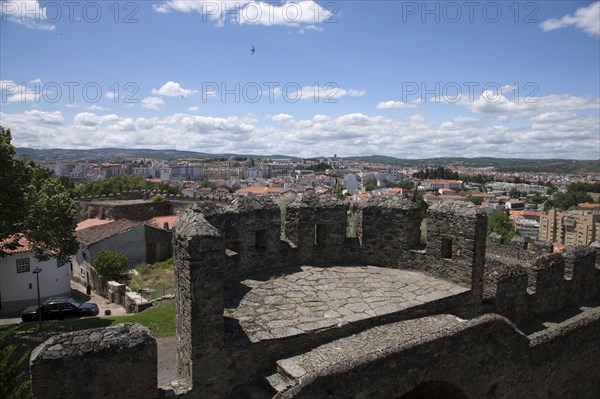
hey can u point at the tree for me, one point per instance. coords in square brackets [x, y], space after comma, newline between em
[571, 198]
[514, 192]
[536, 198]
[119, 184]
[499, 222]
[475, 200]
[370, 186]
[35, 204]
[110, 265]
[13, 382]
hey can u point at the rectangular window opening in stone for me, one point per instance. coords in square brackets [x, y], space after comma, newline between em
[22, 265]
[446, 248]
[352, 225]
[320, 234]
[261, 240]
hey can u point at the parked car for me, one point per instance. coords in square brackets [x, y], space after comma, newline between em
[60, 308]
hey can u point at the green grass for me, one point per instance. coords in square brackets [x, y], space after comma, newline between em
[160, 279]
[159, 319]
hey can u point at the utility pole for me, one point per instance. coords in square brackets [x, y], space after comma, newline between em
[37, 280]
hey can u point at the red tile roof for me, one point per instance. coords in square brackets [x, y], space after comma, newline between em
[95, 234]
[15, 245]
[588, 205]
[259, 190]
[159, 221]
[92, 222]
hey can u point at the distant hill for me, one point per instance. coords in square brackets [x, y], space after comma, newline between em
[119, 154]
[500, 164]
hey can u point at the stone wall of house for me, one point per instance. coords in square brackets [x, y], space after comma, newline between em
[135, 210]
[113, 362]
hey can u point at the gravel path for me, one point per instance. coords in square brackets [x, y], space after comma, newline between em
[167, 360]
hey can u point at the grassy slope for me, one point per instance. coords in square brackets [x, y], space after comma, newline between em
[159, 319]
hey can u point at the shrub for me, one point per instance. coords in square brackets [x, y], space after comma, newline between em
[110, 265]
[165, 265]
[142, 269]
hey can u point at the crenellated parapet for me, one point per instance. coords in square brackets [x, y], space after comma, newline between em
[261, 315]
[585, 282]
[388, 227]
[510, 284]
[551, 283]
[250, 228]
[316, 225]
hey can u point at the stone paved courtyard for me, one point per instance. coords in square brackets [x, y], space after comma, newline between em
[312, 298]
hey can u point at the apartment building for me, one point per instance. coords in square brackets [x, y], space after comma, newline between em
[576, 227]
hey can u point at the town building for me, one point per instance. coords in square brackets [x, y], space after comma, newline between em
[138, 241]
[18, 282]
[576, 227]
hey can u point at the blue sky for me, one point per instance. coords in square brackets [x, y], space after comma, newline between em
[399, 78]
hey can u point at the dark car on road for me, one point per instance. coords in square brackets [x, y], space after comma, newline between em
[60, 308]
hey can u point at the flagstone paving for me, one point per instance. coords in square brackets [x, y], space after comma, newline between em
[313, 298]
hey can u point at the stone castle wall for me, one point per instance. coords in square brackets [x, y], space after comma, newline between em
[498, 254]
[113, 210]
[486, 357]
[554, 281]
[216, 243]
[113, 362]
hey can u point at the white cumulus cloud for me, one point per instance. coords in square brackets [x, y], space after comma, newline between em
[304, 14]
[29, 13]
[173, 89]
[585, 18]
[394, 105]
[152, 103]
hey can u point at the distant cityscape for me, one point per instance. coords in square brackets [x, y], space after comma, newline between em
[521, 194]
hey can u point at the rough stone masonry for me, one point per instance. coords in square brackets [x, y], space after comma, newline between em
[318, 314]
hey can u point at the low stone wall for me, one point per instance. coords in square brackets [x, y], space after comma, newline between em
[481, 358]
[113, 362]
[112, 209]
[118, 293]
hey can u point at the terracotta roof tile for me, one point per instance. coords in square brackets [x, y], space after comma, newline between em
[159, 221]
[92, 222]
[15, 245]
[95, 234]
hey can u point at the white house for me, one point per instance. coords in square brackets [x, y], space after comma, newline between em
[138, 241]
[18, 286]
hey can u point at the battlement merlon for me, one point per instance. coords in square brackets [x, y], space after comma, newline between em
[387, 228]
[456, 240]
